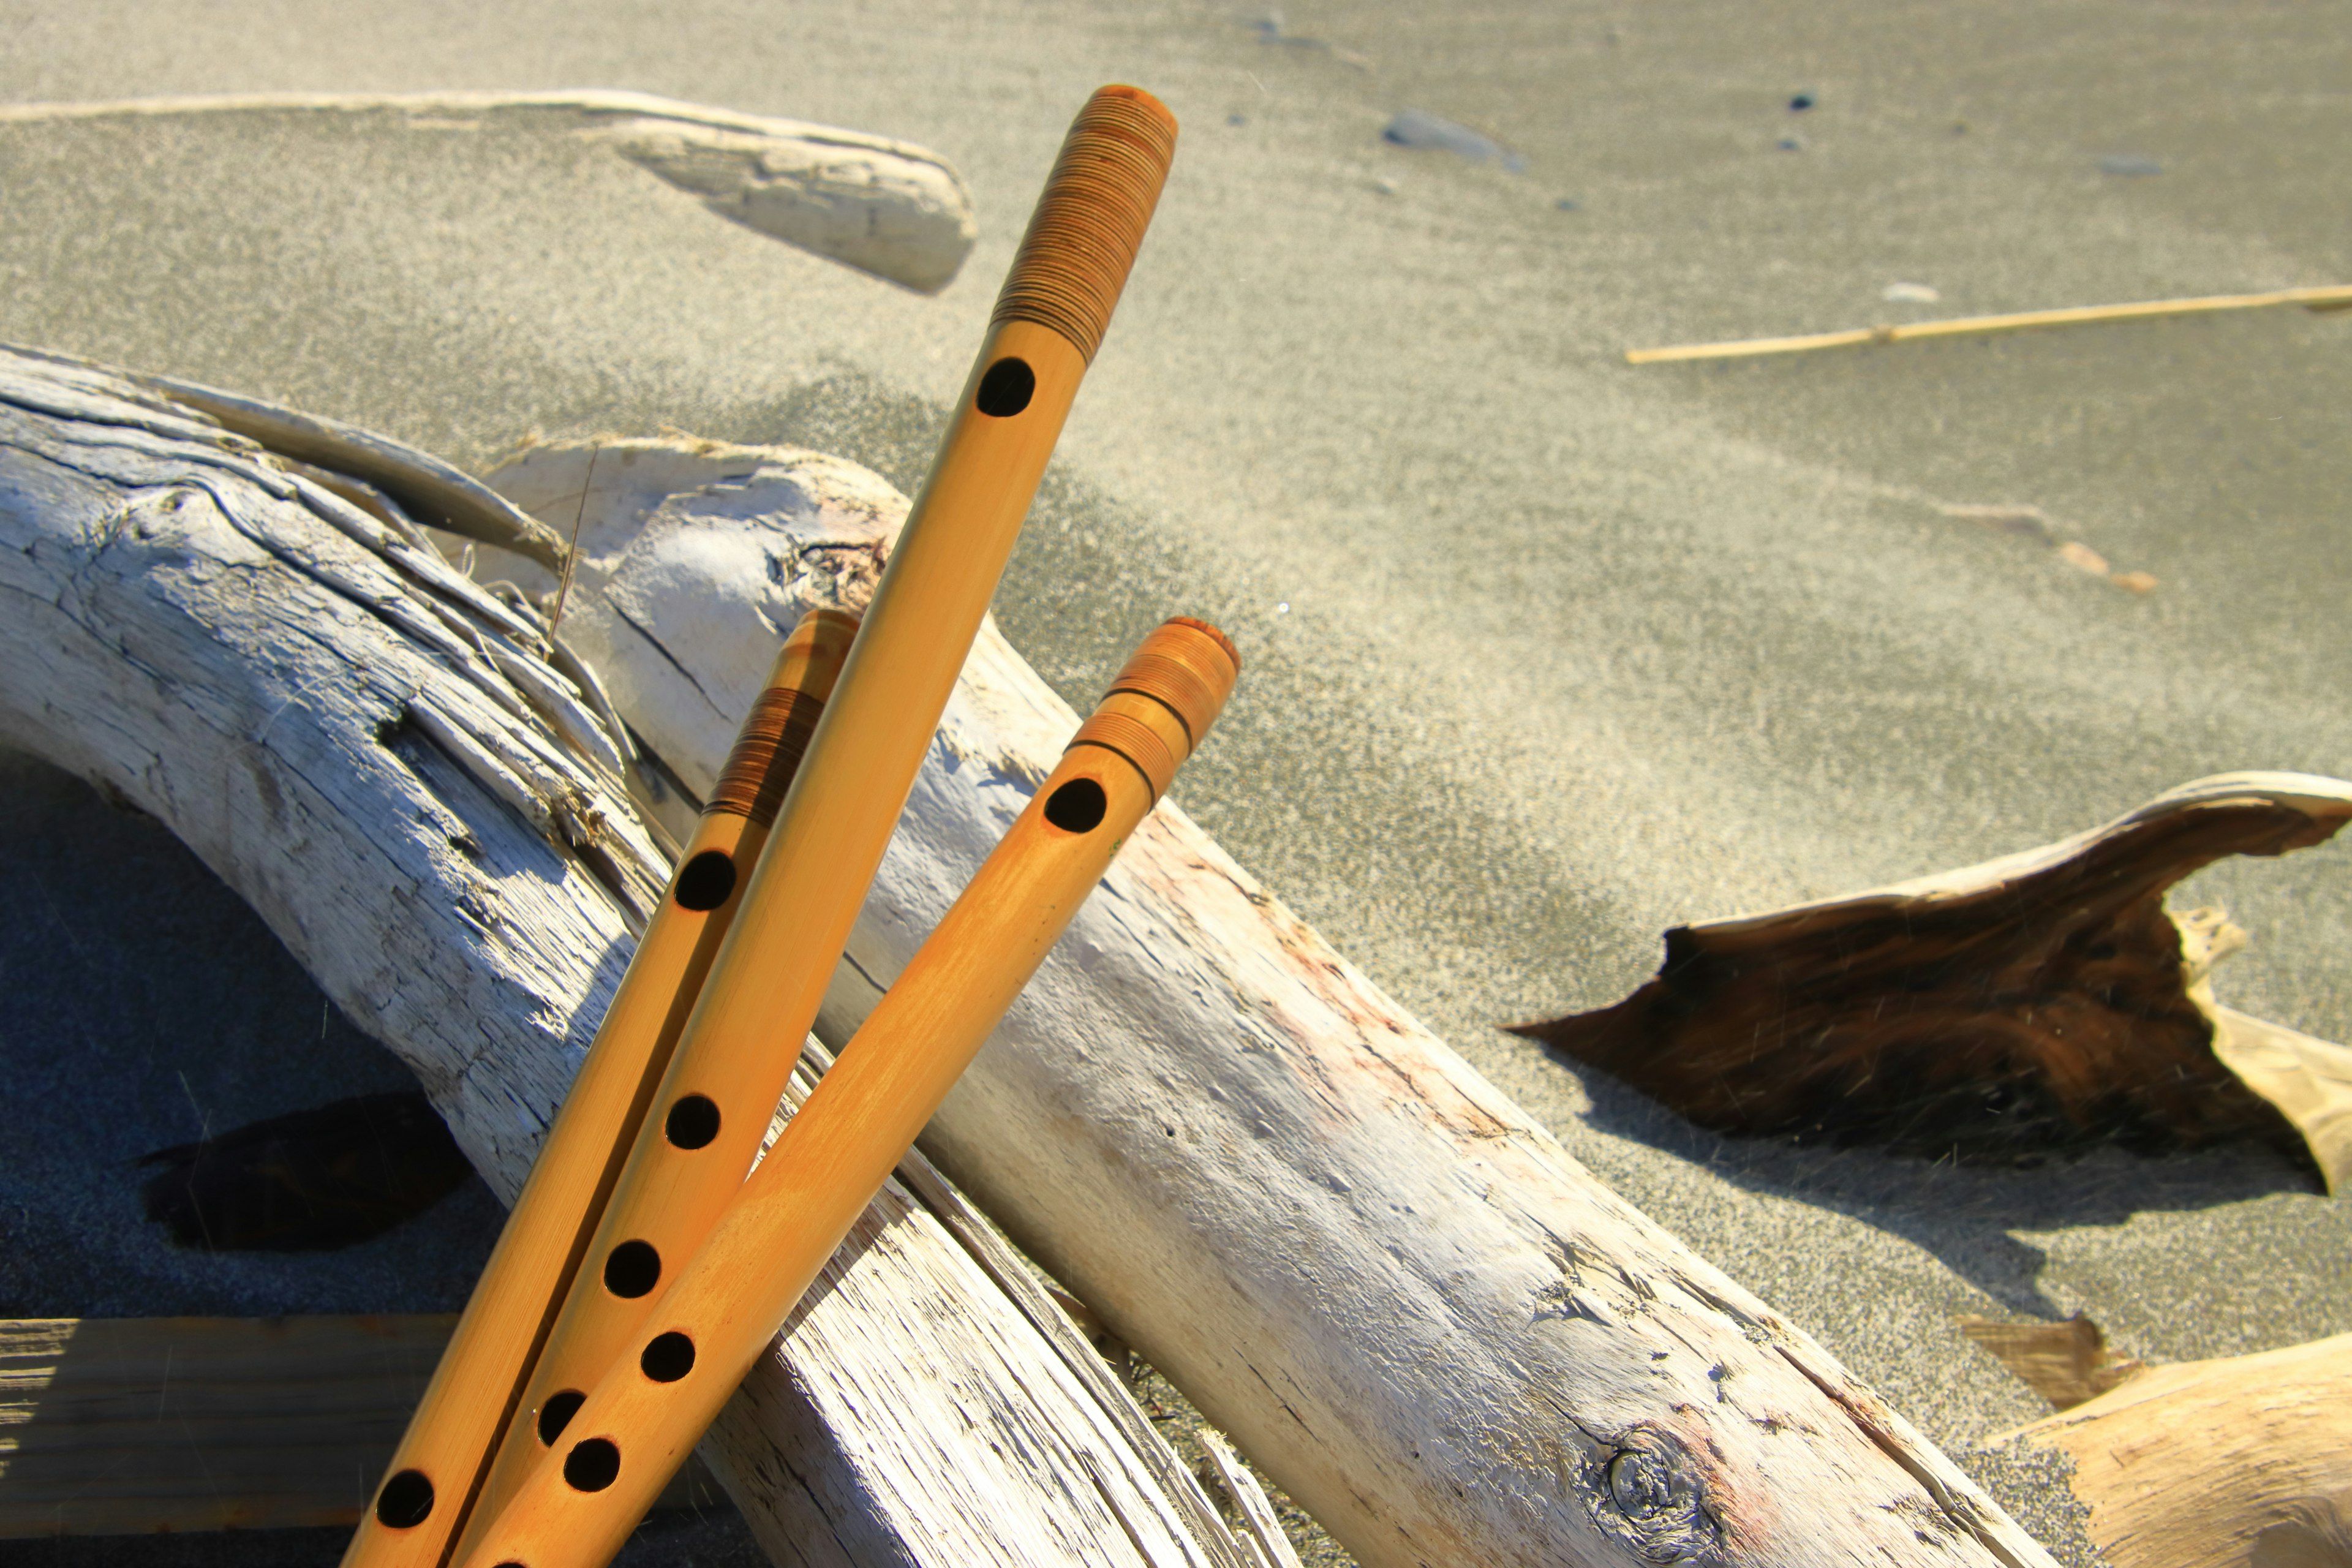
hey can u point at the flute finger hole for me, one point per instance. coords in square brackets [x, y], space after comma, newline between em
[692, 1122]
[667, 1357]
[1078, 806]
[593, 1464]
[1007, 388]
[707, 880]
[406, 1501]
[632, 1268]
[557, 1412]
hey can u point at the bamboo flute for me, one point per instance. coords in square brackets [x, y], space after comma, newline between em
[703, 1334]
[443, 1458]
[746, 1031]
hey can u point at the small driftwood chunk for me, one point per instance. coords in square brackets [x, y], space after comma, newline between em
[377, 754]
[886, 207]
[2044, 1002]
[2066, 1362]
[2246, 1460]
[1395, 1291]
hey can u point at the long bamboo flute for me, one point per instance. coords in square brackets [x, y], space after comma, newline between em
[689, 1353]
[2335, 297]
[443, 1457]
[745, 1033]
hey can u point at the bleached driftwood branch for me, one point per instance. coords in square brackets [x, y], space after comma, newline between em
[887, 207]
[378, 755]
[1399, 1295]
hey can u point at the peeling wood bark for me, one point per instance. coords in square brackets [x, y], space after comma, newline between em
[886, 207]
[2045, 1001]
[1398, 1294]
[369, 748]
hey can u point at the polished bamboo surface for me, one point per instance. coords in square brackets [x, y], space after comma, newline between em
[440, 1463]
[687, 1354]
[745, 1033]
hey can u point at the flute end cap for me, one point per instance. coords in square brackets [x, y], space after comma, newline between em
[1140, 99]
[1214, 635]
[1187, 666]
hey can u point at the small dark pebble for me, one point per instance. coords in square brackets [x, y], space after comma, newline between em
[1802, 102]
[1792, 144]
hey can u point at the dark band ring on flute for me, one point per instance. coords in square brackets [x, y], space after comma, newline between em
[764, 990]
[438, 1468]
[641, 1419]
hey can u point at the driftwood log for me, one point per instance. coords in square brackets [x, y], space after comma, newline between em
[1398, 1294]
[379, 756]
[1404, 1299]
[2044, 1002]
[2239, 1462]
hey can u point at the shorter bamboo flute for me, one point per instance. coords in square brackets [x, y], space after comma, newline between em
[439, 1466]
[705, 1330]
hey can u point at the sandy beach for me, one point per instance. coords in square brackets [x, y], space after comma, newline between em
[1544, 653]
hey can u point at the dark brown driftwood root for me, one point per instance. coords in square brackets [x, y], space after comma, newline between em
[2044, 1002]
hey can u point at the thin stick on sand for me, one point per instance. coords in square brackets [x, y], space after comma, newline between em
[2332, 296]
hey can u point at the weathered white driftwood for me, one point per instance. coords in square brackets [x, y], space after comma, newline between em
[1399, 1295]
[886, 207]
[370, 750]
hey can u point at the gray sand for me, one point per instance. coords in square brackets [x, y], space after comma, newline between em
[1571, 652]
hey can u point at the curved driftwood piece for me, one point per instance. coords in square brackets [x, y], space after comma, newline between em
[2246, 1460]
[2043, 1001]
[1398, 1294]
[886, 207]
[370, 750]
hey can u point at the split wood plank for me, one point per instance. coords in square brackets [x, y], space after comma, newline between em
[134, 1425]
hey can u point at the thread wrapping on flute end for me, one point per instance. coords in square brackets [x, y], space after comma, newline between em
[1082, 240]
[1187, 666]
[1159, 707]
[775, 735]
